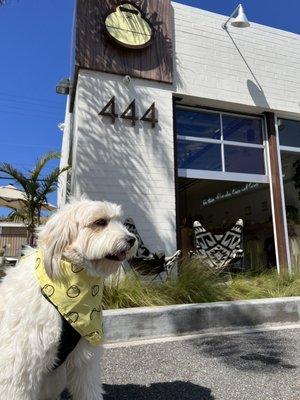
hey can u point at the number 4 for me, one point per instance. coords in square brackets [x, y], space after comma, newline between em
[112, 113]
[150, 115]
[130, 113]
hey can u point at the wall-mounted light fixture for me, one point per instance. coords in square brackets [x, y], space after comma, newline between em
[63, 86]
[240, 21]
[61, 126]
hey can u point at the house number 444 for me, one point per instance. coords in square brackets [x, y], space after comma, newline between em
[109, 110]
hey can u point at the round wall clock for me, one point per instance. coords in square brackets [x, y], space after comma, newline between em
[128, 27]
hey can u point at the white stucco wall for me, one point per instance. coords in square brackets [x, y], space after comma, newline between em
[65, 156]
[133, 166]
[252, 70]
[257, 66]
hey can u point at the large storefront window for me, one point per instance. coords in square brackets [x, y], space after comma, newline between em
[222, 179]
[218, 205]
[220, 142]
[289, 138]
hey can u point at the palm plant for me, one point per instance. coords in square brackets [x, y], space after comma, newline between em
[36, 189]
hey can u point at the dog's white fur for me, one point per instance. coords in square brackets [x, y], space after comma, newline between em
[30, 326]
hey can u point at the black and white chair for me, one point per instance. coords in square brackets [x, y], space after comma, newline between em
[147, 263]
[218, 251]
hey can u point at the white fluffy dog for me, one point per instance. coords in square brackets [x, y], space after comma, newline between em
[89, 234]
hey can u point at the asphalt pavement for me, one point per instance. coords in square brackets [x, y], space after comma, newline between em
[245, 366]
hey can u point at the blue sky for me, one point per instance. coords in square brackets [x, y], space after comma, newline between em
[35, 54]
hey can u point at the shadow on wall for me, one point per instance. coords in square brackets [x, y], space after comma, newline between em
[257, 94]
[254, 87]
[130, 165]
[164, 391]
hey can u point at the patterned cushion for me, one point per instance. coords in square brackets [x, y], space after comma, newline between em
[142, 249]
[218, 250]
[147, 263]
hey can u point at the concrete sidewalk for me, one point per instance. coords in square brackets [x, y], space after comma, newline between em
[237, 366]
[184, 319]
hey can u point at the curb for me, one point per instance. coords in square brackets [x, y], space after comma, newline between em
[155, 322]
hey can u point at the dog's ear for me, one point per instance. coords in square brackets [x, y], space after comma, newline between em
[57, 234]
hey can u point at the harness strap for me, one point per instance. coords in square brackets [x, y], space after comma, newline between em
[69, 339]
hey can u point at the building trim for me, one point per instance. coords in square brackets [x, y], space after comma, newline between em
[222, 176]
[290, 149]
[221, 141]
[218, 110]
[283, 199]
[276, 195]
[176, 176]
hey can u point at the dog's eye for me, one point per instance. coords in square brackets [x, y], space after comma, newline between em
[101, 222]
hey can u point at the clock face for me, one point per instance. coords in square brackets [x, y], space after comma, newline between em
[128, 27]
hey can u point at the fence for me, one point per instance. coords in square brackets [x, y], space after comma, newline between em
[12, 241]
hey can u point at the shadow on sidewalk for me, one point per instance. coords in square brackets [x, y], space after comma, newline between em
[260, 352]
[158, 391]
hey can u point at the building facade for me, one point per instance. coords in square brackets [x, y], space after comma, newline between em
[196, 123]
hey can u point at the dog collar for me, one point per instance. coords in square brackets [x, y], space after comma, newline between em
[76, 295]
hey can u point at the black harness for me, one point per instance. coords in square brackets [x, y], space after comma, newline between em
[69, 339]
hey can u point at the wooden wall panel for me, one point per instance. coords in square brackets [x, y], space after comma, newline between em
[94, 51]
[14, 243]
[277, 196]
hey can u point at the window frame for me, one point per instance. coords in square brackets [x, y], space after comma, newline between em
[224, 175]
[284, 149]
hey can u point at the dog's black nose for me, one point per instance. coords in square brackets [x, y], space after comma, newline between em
[130, 240]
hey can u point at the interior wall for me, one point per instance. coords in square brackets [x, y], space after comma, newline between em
[252, 207]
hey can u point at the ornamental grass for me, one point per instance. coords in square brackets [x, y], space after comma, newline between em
[196, 283]
[263, 285]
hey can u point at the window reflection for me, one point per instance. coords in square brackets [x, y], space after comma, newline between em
[198, 124]
[289, 132]
[197, 155]
[246, 130]
[244, 160]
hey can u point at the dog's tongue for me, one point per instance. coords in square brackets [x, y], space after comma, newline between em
[121, 256]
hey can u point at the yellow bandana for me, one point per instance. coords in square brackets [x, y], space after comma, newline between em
[77, 296]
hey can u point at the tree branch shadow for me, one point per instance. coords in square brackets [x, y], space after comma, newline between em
[258, 352]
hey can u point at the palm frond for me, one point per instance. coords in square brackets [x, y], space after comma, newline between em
[17, 215]
[35, 189]
[17, 175]
[35, 173]
[50, 183]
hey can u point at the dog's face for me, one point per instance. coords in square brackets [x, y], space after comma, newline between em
[90, 234]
